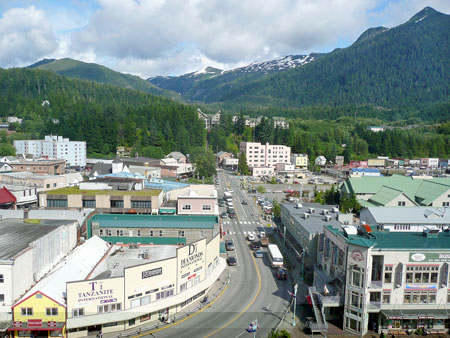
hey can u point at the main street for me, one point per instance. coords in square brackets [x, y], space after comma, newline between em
[253, 293]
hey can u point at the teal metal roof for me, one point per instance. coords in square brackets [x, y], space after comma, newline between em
[155, 221]
[397, 240]
[384, 195]
[430, 190]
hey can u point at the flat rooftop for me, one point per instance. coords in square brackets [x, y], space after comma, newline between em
[77, 191]
[386, 240]
[29, 175]
[16, 235]
[121, 257]
[155, 221]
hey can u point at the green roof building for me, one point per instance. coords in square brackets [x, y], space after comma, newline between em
[152, 229]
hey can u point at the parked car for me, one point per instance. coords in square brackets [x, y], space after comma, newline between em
[258, 253]
[251, 237]
[255, 245]
[231, 261]
[232, 215]
[281, 273]
[224, 215]
[229, 245]
[244, 202]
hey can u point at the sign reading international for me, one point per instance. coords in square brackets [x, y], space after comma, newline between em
[151, 273]
[429, 257]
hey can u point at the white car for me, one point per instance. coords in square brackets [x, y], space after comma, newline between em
[251, 237]
[262, 234]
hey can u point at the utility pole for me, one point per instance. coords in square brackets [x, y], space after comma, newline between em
[295, 301]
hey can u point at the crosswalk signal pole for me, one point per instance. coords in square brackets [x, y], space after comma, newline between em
[295, 301]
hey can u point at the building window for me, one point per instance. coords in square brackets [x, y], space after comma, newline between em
[388, 274]
[56, 203]
[2, 279]
[160, 233]
[164, 294]
[186, 207]
[355, 299]
[141, 204]
[47, 185]
[2, 297]
[422, 274]
[139, 233]
[109, 308]
[356, 276]
[150, 233]
[100, 232]
[109, 232]
[88, 203]
[180, 233]
[401, 203]
[419, 297]
[26, 311]
[78, 312]
[386, 297]
[201, 234]
[116, 204]
[446, 204]
[51, 311]
[206, 207]
[119, 233]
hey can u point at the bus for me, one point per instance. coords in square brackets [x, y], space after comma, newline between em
[227, 196]
[275, 256]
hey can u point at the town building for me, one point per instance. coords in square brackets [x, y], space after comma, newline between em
[398, 190]
[143, 201]
[265, 155]
[320, 160]
[390, 282]
[280, 122]
[300, 161]
[40, 182]
[143, 284]
[54, 147]
[152, 229]
[376, 162]
[7, 199]
[376, 129]
[5, 167]
[221, 155]
[17, 196]
[40, 166]
[414, 219]
[28, 250]
[42, 310]
[364, 172]
[303, 226]
[179, 157]
[194, 203]
[210, 120]
[339, 160]
[230, 163]
[262, 171]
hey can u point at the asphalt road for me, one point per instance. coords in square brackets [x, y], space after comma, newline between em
[254, 293]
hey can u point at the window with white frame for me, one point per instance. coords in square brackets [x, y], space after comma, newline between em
[186, 207]
[105, 308]
[26, 311]
[180, 233]
[206, 207]
[78, 312]
[422, 274]
[109, 232]
[2, 278]
[51, 311]
[119, 233]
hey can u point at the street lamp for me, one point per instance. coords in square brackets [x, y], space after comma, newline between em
[295, 301]
[284, 235]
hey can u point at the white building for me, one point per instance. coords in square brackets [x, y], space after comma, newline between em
[320, 160]
[27, 253]
[74, 152]
[265, 155]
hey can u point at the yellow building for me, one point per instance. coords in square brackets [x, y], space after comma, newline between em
[300, 160]
[38, 315]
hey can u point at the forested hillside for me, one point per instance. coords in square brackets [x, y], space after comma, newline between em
[98, 73]
[406, 66]
[104, 116]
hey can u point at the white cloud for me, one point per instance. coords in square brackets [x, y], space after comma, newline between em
[25, 36]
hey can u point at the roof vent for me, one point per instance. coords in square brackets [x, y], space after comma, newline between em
[335, 210]
[327, 218]
[299, 205]
[306, 215]
[325, 212]
[312, 210]
[350, 230]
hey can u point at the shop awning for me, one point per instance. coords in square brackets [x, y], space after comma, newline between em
[416, 314]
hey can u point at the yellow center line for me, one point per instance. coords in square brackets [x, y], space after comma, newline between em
[182, 320]
[246, 308]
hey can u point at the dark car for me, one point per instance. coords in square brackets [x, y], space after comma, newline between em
[229, 245]
[256, 245]
[281, 273]
[244, 202]
[232, 215]
[231, 261]
[224, 215]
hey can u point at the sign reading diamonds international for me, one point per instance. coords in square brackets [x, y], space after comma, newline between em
[429, 257]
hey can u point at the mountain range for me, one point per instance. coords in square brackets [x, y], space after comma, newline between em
[406, 67]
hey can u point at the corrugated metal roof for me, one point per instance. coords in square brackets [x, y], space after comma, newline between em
[429, 191]
[384, 195]
[409, 215]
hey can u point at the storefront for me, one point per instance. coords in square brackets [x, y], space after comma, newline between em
[38, 316]
[411, 320]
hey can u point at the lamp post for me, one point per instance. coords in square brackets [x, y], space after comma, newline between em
[295, 302]
[284, 235]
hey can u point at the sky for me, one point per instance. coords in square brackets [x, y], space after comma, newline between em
[172, 37]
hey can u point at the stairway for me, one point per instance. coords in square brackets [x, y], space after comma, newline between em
[320, 325]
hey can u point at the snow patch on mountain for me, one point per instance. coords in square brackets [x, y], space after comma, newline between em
[420, 19]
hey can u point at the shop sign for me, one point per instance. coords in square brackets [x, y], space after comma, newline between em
[95, 292]
[151, 273]
[192, 276]
[429, 257]
[426, 317]
[17, 325]
[51, 324]
[394, 317]
[34, 322]
[112, 300]
[421, 287]
[193, 257]
[357, 255]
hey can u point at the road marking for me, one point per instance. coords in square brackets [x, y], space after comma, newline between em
[248, 305]
[182, 320]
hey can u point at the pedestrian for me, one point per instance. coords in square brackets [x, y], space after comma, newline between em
[100, 334]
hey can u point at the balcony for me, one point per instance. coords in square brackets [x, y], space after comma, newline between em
[374, 306]
[376, 284]
[332, 300]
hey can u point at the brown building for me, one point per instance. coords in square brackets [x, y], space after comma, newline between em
[50, 167]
